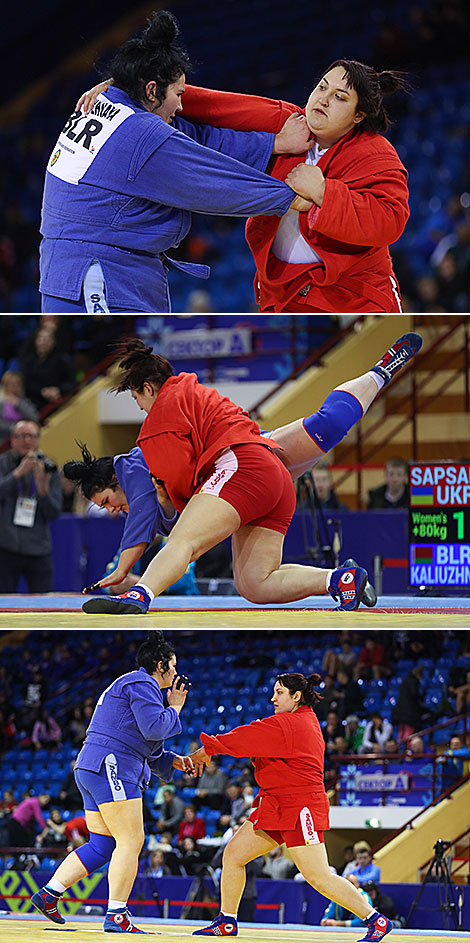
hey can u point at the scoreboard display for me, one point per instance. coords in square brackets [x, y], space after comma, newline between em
[439, 525]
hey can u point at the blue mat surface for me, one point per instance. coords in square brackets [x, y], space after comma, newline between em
[51, 602]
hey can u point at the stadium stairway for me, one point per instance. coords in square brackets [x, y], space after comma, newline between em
[402, 857]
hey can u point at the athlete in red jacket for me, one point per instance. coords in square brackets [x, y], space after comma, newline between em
[292, 807]
[223, 476]
[334, 257]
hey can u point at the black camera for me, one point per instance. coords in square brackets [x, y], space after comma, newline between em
[183, 680]
[49, 465]
[441, 846]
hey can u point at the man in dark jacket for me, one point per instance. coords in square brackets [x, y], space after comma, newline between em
[410, 713]
[395, 493]
[381, 902]
[30, 498]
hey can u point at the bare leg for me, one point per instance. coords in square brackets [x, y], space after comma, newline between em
[312, 862]
[125, 823]
[245, 845]
[259, 575]
[300, 451]
[71, 868]
[205, 521]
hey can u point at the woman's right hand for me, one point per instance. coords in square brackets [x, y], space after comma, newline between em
[87, 100]
[301, 205]
[177, 696]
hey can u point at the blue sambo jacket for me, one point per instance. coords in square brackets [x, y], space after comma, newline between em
[130, 720]
[120, 187]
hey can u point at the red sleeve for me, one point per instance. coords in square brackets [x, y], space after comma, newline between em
[265, 737]
[180, 832]
[170, 457]
[200, 830]
[372, 212]
[236, 111]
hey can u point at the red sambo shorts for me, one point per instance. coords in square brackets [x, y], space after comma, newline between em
[256, 483]
[304, 832]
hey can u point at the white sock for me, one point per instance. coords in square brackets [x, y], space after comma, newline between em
[117, 904]
[147, 590]
[328, 579]
[226, 914]
[56, 886]
[370, 915]
[377, 378]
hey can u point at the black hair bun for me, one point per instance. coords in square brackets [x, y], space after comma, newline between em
[314, 680]
[162, 29]
[74, 471]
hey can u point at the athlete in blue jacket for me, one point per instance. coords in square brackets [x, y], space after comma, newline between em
[123, 745]
[121, 183]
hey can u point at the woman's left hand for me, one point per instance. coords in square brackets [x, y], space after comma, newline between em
[308, 181]
[184, 763]
[294, 137]
[87, 100]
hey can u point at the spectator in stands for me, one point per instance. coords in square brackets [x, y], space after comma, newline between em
[364, 867]
[232, 807]
[211, 788]
[373, 661]
[54, 831]
[325, 494]
[8, 803]
[380, 901]
[77, 726]
[353, 734]
[190, 856]
[76, 832]
[157, 866]
[409, 711]
[377, 732]
[13, 404]
[7, 730]
[171, 812]
[347, 659]
[277, 866]
[70, 795]
[332, 729]
[46, 731]
[348, 858]
[30, 497]
[337, 916]
[391, 746]
[462, 696]
[329, 698]
[191, 825]
[415, 747]
[395, 493]
[459, 753]
[349, 694]
[21, 832]
[48, 374]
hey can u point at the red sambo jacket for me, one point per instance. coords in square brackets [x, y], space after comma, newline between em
[287, 751]
[188, 426]
[364, 209]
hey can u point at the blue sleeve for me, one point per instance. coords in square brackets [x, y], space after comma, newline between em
[154, 721]
[330, 912]
[165, 166]
[145, 518]
[250, 147]
[161, 764]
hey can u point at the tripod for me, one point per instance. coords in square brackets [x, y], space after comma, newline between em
[322, 554]
[439, 870]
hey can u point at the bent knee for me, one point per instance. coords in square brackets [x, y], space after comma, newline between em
[252, 589]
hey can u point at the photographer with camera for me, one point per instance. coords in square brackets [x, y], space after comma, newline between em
[30, 497]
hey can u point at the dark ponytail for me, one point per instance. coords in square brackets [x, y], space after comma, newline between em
[371, 86]
[154, 57]
[154, 650]
[92, 474]
[140, 365]
[295, 681]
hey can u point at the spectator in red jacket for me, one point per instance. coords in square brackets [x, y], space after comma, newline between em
[373, 662]
[192, 826]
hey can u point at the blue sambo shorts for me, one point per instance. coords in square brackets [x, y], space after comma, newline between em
[105, 786]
